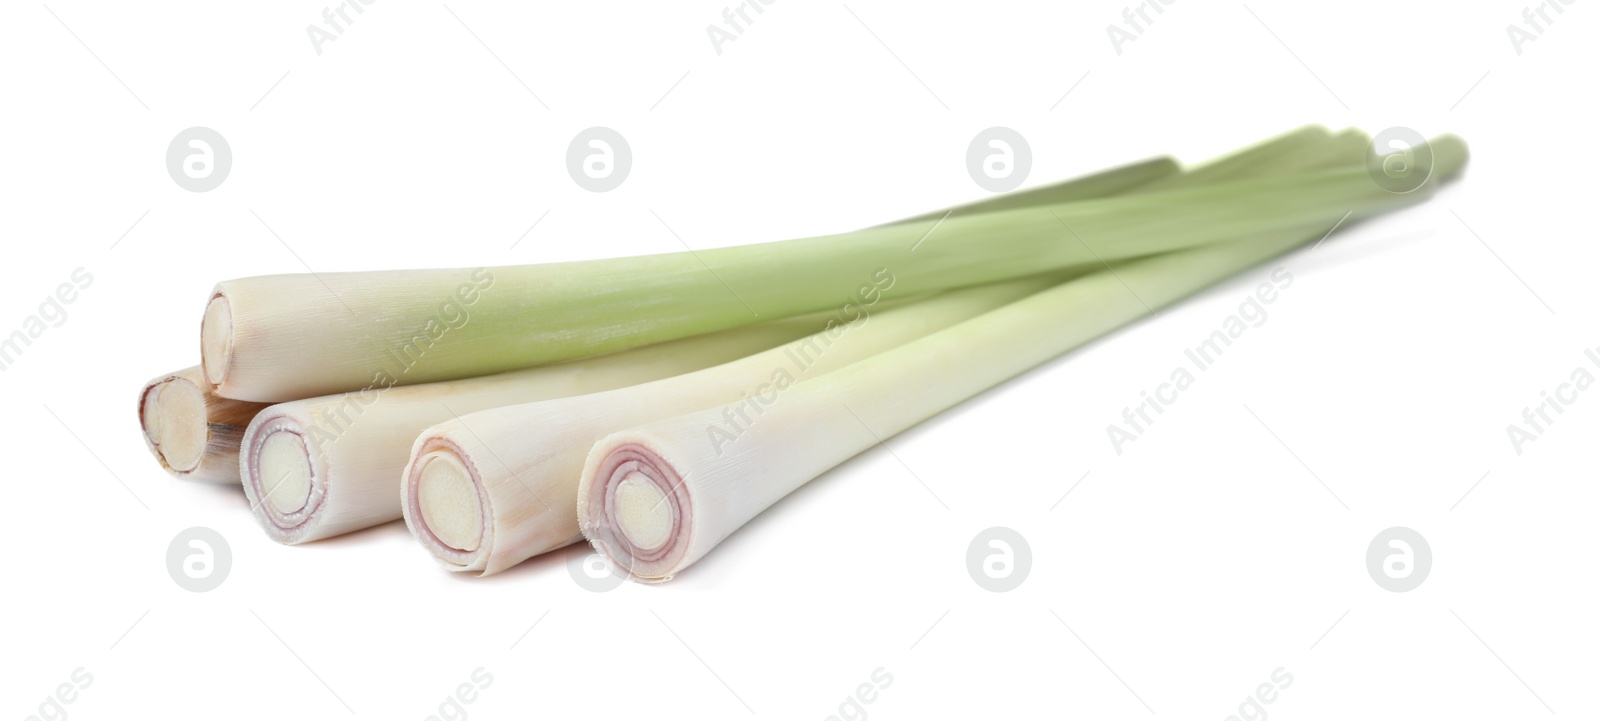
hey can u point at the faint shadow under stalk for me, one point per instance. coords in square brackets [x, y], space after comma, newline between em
[1334, 254]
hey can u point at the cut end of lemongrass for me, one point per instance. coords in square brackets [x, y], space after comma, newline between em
[216, 339]
[285, 465]
[444, 505]
[194, 433]
[641, 511]
[281, 478]
[635, 509]
[452, 509]
[174, 417]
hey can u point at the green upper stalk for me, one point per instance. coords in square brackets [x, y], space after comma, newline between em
[276, 338]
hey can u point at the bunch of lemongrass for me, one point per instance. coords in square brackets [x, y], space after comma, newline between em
[387, 345]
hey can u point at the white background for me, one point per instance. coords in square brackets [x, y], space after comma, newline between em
[1170, 581]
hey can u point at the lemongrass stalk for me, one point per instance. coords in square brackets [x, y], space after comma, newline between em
[193, 433]
[1302, 150]
[656, 498]
[1128, 178]
[1346, 148]
[217, 341]
[283, 337]
[488, 490]
[325, 466]
[1279, 155]
[1263, 158]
